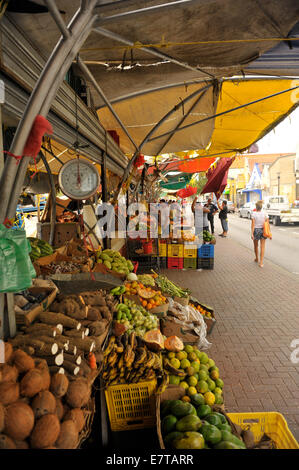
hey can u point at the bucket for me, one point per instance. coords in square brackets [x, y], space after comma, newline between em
[147, 247]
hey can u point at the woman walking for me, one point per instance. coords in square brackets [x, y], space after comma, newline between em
[223, 218]
[258, 219]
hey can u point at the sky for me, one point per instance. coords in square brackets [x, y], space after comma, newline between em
[284, 138]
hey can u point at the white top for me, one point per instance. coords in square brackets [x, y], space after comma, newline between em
[259, 218]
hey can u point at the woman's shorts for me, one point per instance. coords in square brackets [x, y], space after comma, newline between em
[224, 225]
[258, 234]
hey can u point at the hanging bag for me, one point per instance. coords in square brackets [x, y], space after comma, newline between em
[267, 232]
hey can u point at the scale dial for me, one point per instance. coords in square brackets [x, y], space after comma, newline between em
[79, 179]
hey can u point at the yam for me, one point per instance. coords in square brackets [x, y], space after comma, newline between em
[59, 385]
[78, 393]
[1, 417]
[68, 436]
[8, 350]
[97, 328]
[76, 415]
[105, 312]
[6, 442]
[43, 403]
[66, 409]
[22, 445]
[45, 432]
[42, 366]
[59, 408]
[94, 314]
[9, 373]
[19, 421]
[31, 383]
[22, 361]
[9, 392]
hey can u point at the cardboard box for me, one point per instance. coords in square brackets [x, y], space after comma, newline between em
[170, 328]
[210, 322]
[161, 310]
[29, 316]
[43, 263]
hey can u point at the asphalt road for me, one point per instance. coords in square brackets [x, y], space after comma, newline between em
[282, 250]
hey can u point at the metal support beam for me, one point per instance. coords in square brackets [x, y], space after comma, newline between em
[224, 112]
[152, 131]
[57, 18]
[46, 84]
[149, 50]
[99, 90]
[53, 198]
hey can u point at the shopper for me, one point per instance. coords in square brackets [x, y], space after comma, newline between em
[200, 215]
[212, 211]
[258, 218]
[223, 218]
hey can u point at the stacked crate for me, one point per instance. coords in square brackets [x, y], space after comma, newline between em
[205, 257]
[175, 254]
[190, 256]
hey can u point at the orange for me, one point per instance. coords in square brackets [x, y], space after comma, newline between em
[144, 303]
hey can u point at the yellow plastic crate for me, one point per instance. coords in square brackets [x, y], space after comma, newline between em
[162, 249]
[131, 406]
[190, 251]
[271, 423]
[175, 251]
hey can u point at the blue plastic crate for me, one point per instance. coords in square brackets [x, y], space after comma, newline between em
[205, 251]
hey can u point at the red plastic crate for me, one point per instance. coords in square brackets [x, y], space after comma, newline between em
[175, 263]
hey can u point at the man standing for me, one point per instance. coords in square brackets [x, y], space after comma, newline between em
[212, 211]
[201, 216]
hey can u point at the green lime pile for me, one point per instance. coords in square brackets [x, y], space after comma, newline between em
[197, 374]
[192, 426]
[113, 260]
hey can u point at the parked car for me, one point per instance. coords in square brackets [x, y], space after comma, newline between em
[280, 210]
[231, 206]
[247, 209]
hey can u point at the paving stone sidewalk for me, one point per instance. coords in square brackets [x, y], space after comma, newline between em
[257, 313]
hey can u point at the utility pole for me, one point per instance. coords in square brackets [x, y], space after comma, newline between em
[278, 184]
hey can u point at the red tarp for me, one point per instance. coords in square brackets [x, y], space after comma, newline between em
[193, 166]
[186, 192]
[217, 177]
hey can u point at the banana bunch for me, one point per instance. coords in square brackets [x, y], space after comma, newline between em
[128, 360]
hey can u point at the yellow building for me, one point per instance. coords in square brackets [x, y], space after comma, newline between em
[282, 177]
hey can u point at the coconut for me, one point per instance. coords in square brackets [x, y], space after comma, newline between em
[19, 420]
[78, 393]
[9, 392]
[66, 409]
[45, 431]
[68, 436]
[43, 403]
[59, 385]
[42, 366]
[22, 361]
[31, 383]
[1, 417]
[22, 444]
[154, 340]
[6, 442]
[8, 350]
[76, 415]
[9, 373]
[59, 408]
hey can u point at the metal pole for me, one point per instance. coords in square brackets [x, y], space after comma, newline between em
[225, 112]
[149, 50]
[41, 90]
[104, 187]
[57, 18]
[152, 131]
[181, 121]
[90, 77]
[53, 197]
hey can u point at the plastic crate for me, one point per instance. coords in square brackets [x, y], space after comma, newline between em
[131, 406]
[190, 251]
[205, 263]
[175, 251]
[190, 263]
[163, 262]
[162, 249]
[205, 251]
[175, 263]
[271, 423]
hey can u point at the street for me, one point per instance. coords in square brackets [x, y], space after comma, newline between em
[282, 250]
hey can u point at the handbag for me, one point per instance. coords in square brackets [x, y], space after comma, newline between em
[266, 231]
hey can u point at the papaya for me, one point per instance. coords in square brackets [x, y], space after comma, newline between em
[224, 427]
[165, 407]
[168, 424]
[188, 423]
[226, 445]
[212, 418]
[173, 343]
[180, 408]
[197, 399]
[190, 440]
[203, 411]
[211, 434]
[154, 340]
[228, 436]
[221, 416]
[169, 438]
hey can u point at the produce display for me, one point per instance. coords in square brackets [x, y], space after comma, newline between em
[128, 359]
[146, 279]
[195, 425]
[169, 288]
[114, 261]
[133, 317]
[148, 297]
[39, 248]
[196, 373]
[208, 237]
[202, 310]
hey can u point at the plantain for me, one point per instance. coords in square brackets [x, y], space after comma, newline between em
[127, 353]
[112, 358]
[130, 361]
[172, 369]
[132, 340]
[150, 360]
[119, 347]
[140, 356]
[158, 363]
[163, 386]
[125, 340]
[109, 346]
[121, 362]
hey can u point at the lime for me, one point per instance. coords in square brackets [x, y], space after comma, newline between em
[192, 381]
[211, 363]
[188, 348]
[184, 364]
[190, 370]
[191, 391]
[218, 399]
[218, 390]
[202, 386]
[171, 355]
[203, 375]
[192, 356]
[196, 376]
[175, 362]
[204, 359]
[195, 365]
[198, 354]
[184, 385]
[211, 384]
[214, 374]
[186, 399]
[181, 355]
[174, 380]
[219, 383]
[209, 398]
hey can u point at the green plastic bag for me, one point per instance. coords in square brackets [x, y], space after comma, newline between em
[16, 268]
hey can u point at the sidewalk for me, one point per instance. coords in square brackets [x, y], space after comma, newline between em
[257, 313]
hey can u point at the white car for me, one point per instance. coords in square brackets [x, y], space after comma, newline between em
[247, 209]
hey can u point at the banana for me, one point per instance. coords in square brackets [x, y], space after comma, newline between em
[119, 347]
[127, 353]
[132, 339]
[120, 363]
[112, 358]
[109, 346]
[172, 369]
[140, 357]
[130, 361]
[163, 386]
[150, 360]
